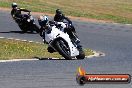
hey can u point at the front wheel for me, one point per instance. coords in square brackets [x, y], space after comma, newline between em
[62, 47]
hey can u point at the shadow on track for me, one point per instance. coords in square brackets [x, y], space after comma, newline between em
[20, 32]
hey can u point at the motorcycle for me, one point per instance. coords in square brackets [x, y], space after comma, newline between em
[61, 42]
[27, 23]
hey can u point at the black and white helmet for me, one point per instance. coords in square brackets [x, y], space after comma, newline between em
[14, 5]
[43, 20]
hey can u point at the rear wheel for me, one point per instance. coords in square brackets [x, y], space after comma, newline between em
[62, 47]
[36, 28]
[23, 28]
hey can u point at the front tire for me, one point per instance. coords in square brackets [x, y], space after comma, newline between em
[62, 47]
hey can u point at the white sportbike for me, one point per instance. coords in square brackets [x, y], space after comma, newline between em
[62, 43]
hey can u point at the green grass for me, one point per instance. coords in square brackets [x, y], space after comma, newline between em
[12, 49]
[113, 10]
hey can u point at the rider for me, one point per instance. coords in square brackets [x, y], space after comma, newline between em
[43, 22]
[60, 18]
[16, 12]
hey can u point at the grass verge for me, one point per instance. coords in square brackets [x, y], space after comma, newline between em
[12, 49]
[114, 10]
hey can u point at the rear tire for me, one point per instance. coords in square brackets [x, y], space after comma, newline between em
[36, 28]
[62, 47]
[24, 29]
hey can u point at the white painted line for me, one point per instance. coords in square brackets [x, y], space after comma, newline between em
[15, 60]
[20, 40]
[96, 54]
[122, 24]
[24, 40]
[39, 42]
[129, 24]
[10, 38]
[30, 41]
[2, 37]
[115, 23]
[17, 39]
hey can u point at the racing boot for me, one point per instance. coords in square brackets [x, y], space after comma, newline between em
[50, 49]
[45, 42]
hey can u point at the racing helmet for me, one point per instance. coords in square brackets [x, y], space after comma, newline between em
[42, 20]
[58, 11]
[14, 5]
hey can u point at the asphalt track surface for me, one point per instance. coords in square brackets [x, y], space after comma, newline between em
[115, 40]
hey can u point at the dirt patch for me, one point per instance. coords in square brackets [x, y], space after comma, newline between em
[71, 17]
